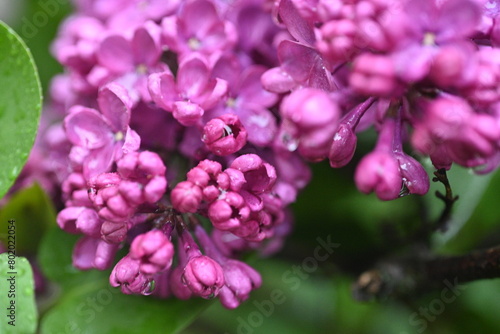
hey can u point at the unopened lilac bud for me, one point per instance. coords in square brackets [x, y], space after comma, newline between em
[186, 197]
[240, 280]
[310, 108]
[224, 135]
[375, 75]
[343, 146]
[67, 218]
[203, 276]
[260, 176]
[126, 274]
[414, 176]
[154, 250]
[379, 172]
[236, 179]
[114, 232]
[228, 212]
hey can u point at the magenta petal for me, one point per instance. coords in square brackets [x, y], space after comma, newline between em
[132, 141]
[146, 49]
[192, 77]
[214, 95]
[87, 128]
[299, 28]
[458, 19]
[304, 65]
[84, 253]
[187, 113]
[115, 53]
[105, 254]
[99, 161]
[277, 80]
[115, 104]
[251, 88]
[200, 11]
[254, 202]
[163, 89]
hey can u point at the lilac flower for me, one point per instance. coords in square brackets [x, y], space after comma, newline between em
[210, 33]
[247, 99]
[92, 252]
[224, 135]
[129, 61]
[240, 279]
[202, 275]
[154, 250]
[310, 119]
[192, 92]
[105, 135]
[127, 276]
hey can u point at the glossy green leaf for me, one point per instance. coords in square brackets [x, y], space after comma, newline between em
[17, 297]
[33, 213]
[20, 105]
[97, 308]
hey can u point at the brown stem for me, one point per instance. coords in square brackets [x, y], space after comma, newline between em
[474, 266]
[407, 278]
[447, 198]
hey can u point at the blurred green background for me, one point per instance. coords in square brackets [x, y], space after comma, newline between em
[297, 296]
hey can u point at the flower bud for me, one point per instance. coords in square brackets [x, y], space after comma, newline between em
[203, 276]
[224, 135]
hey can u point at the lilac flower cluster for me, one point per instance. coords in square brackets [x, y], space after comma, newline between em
[423, 72]
[168, 133]
[187, 116]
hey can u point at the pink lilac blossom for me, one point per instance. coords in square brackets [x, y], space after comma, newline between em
[159, 121]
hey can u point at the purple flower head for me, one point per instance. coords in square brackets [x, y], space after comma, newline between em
[94, 253]
[80, 220]
[105, 135]
[77, 42]
[450, 126]
[209, 34]
[247, 99]
[190, 93]
[224, 135]
[126, 275]
[129, 60]
[154, 250]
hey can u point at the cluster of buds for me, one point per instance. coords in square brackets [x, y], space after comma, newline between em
[424, 72]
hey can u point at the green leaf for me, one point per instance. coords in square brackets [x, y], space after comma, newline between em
[33, 212]
[17, 293]
[97, 308]
[20, 105]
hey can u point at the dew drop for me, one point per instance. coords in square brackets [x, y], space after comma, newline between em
[28, 291]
